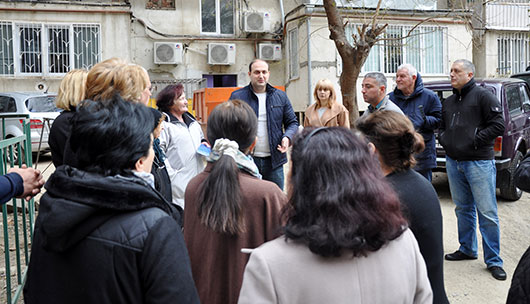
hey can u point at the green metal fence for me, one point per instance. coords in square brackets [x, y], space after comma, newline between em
[18, 216]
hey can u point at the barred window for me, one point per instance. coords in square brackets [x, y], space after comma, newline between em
[424, 48]
[7, 62]
[513, 51]
[47, 49]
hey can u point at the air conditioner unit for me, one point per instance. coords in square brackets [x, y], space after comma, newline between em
[221, 53]
[168, 53]
[270, 51]
[257, 22]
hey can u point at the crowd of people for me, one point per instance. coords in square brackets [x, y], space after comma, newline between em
[137, 212]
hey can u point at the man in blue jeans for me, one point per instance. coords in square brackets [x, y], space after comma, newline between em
[471, 120]
[274, 112]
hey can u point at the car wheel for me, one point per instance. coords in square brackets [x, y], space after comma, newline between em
[509, 191]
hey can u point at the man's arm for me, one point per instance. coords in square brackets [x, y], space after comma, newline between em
[20, 182]
[290, 124]
[494, 123]
[433, 113]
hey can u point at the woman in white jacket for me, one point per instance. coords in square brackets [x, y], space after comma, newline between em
[180, 139]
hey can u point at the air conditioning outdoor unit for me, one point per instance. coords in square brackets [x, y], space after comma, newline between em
[168, 53]
[221, 53]
[270, 51]
[257, 22]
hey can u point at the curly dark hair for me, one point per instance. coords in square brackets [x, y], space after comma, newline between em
[338, 198]
[164, 99]
[394, 137]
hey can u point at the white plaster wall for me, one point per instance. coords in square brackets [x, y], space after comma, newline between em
[115, 28]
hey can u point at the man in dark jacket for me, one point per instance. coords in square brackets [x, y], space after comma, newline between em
[471, 120]
[274, 112]
[424, 110]
[103, 234]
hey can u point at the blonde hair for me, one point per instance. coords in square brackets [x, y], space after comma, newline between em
[72, 90]
[325, 84]
[115, 75]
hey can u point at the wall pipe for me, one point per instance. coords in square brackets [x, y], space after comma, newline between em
[309, 67]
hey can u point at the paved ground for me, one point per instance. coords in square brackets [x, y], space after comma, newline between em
[465, 281]
[469, 281]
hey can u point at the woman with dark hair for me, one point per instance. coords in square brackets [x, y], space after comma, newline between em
[346, 240]
[103, 235]
[180, 140]
[396, 141]
[159, 170]
[228, 206]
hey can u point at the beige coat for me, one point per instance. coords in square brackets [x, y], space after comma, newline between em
[289, 273]
[337, 116]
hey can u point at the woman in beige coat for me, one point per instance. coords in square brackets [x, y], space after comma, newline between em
[326, 111]
[346, 240]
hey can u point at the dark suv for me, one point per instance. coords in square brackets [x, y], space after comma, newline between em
[514, 95]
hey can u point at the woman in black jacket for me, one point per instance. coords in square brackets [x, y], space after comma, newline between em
[395, 141]
[103, 235]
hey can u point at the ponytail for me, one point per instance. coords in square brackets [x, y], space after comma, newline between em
[220, 207]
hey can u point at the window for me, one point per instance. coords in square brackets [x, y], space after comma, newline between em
[7, 104]
[217, 17]
[513, 51]
[423, 48]
[514, 99]
[293, 54]
[47, 49]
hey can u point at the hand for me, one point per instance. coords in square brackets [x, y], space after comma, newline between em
[32, 178]
[284, 145]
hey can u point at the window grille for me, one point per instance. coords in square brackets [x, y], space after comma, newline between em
[424, 48]
[513, 51]
[293, 54]
[217, 17]
[35, 49]
[7, 63]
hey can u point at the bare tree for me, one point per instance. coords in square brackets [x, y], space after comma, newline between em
[353, 56]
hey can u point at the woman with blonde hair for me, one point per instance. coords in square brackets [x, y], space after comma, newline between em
[115, 75]
[71, 93]
[326, 111]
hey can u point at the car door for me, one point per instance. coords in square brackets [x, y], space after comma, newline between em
[525, 95]
[8, 106]
[517, 124]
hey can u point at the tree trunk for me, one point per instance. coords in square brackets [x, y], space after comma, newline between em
[353, 57]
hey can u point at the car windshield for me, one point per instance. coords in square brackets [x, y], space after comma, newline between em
[42, 104]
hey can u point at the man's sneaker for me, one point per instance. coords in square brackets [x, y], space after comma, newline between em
[497, 272]
[458, 256]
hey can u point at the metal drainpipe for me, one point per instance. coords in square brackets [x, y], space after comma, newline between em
[282, 13]
[309, 83]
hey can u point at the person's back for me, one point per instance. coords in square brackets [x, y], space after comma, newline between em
[103, 235]
[422, 209]
[228, 207]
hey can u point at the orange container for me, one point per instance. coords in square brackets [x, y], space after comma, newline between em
[205, 100]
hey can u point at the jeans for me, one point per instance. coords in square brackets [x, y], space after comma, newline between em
[472, 185]
[265, 169]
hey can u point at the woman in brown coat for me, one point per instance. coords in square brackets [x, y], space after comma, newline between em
[228, 206]
[326, 111]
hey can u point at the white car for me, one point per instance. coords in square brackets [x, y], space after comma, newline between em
[41, 109]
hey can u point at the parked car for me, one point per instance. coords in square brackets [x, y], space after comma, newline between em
[523, 75]
[41, 109]
[514, 95]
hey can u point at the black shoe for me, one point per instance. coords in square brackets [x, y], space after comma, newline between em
[458, 256]
[497, 272]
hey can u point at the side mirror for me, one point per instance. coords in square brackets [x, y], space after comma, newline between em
[526, 107]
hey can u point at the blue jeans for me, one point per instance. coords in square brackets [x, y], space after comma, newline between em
[265, 169]
[472, 185]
